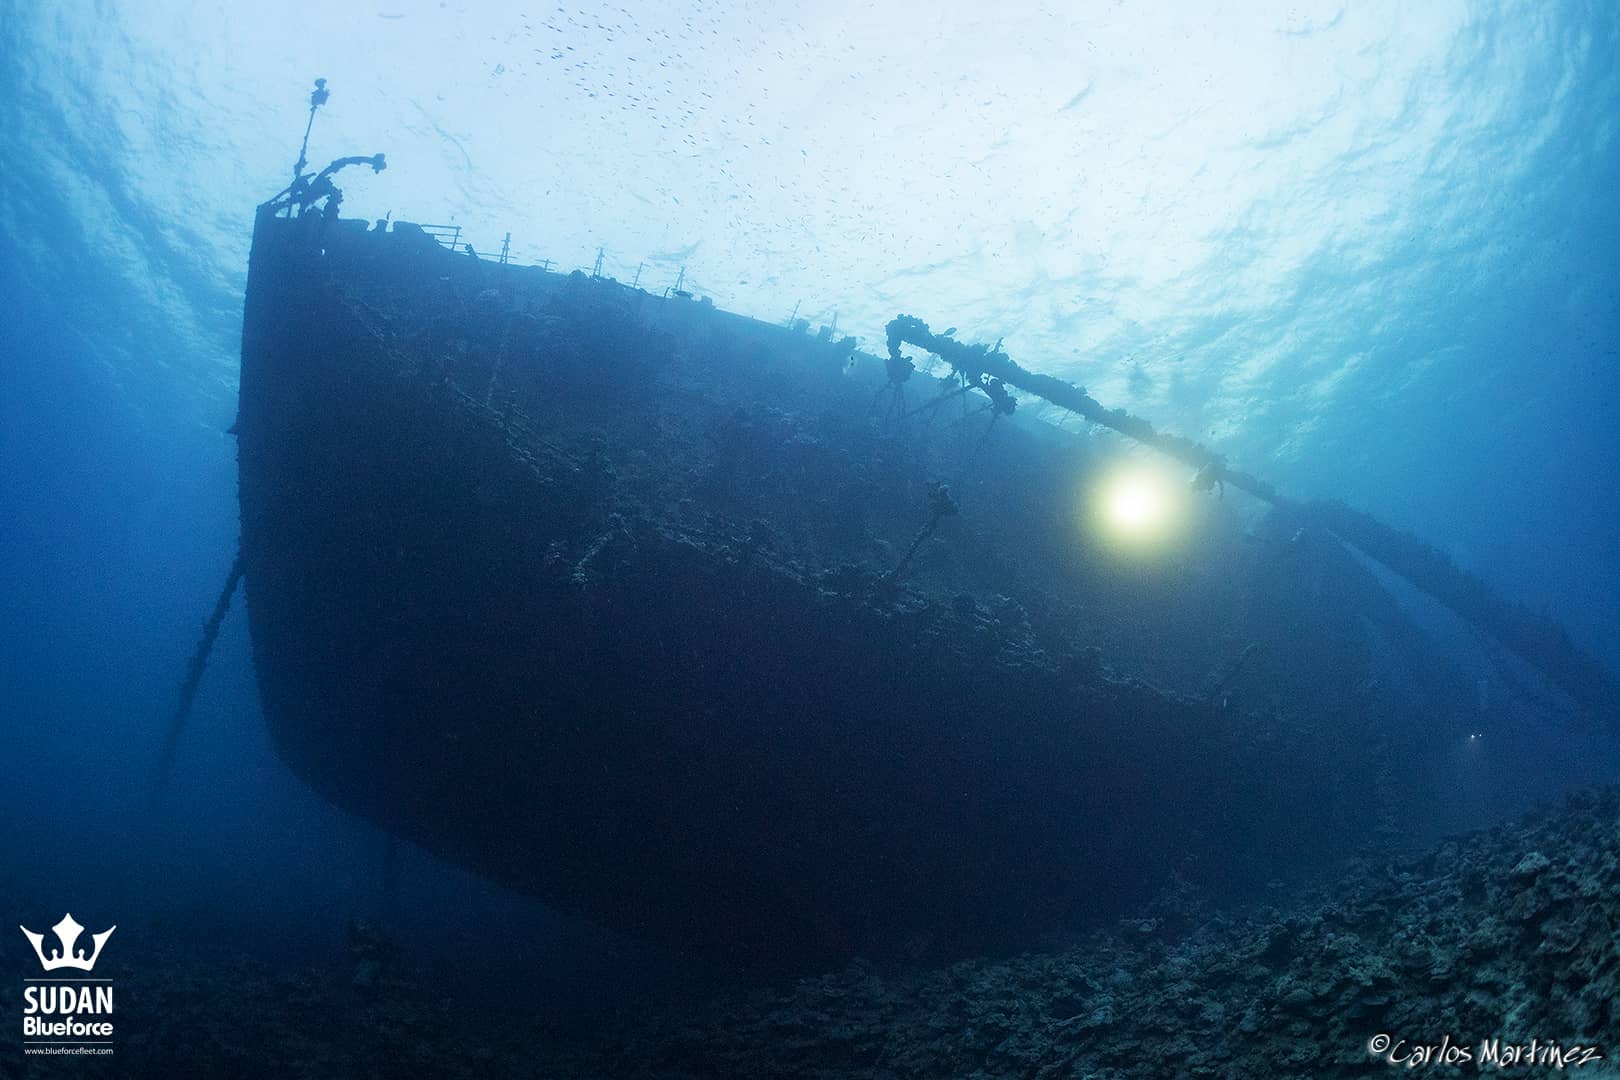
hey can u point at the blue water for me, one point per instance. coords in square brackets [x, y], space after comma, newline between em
[1367, 252]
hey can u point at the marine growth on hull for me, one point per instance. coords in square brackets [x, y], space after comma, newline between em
[738, 639]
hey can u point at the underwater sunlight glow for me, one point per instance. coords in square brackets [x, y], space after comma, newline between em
[1246, 224]
[1138, 505]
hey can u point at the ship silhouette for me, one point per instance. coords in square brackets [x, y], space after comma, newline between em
[654, 611]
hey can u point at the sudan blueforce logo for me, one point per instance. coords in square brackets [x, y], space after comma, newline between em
[69, 1015]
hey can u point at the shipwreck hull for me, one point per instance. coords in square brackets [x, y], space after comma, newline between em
[584, 589]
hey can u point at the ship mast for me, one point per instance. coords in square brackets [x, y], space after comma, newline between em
[317, 98]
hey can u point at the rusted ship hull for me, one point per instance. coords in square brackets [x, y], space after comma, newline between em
[585, 589]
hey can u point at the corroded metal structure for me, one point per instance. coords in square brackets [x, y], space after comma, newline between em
[598, 594]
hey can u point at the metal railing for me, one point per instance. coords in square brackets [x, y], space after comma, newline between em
[448, 235]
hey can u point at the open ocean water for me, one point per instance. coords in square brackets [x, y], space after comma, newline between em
[1364, 250]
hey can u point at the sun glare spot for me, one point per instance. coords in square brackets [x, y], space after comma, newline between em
[1137, 505]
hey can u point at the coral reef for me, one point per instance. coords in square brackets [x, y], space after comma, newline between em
[1483, 944]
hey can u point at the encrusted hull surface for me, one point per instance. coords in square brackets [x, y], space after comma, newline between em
[585, 589]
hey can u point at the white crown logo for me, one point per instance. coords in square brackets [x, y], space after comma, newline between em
[67, 932]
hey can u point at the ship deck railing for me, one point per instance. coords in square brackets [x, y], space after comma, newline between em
[449, 237]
